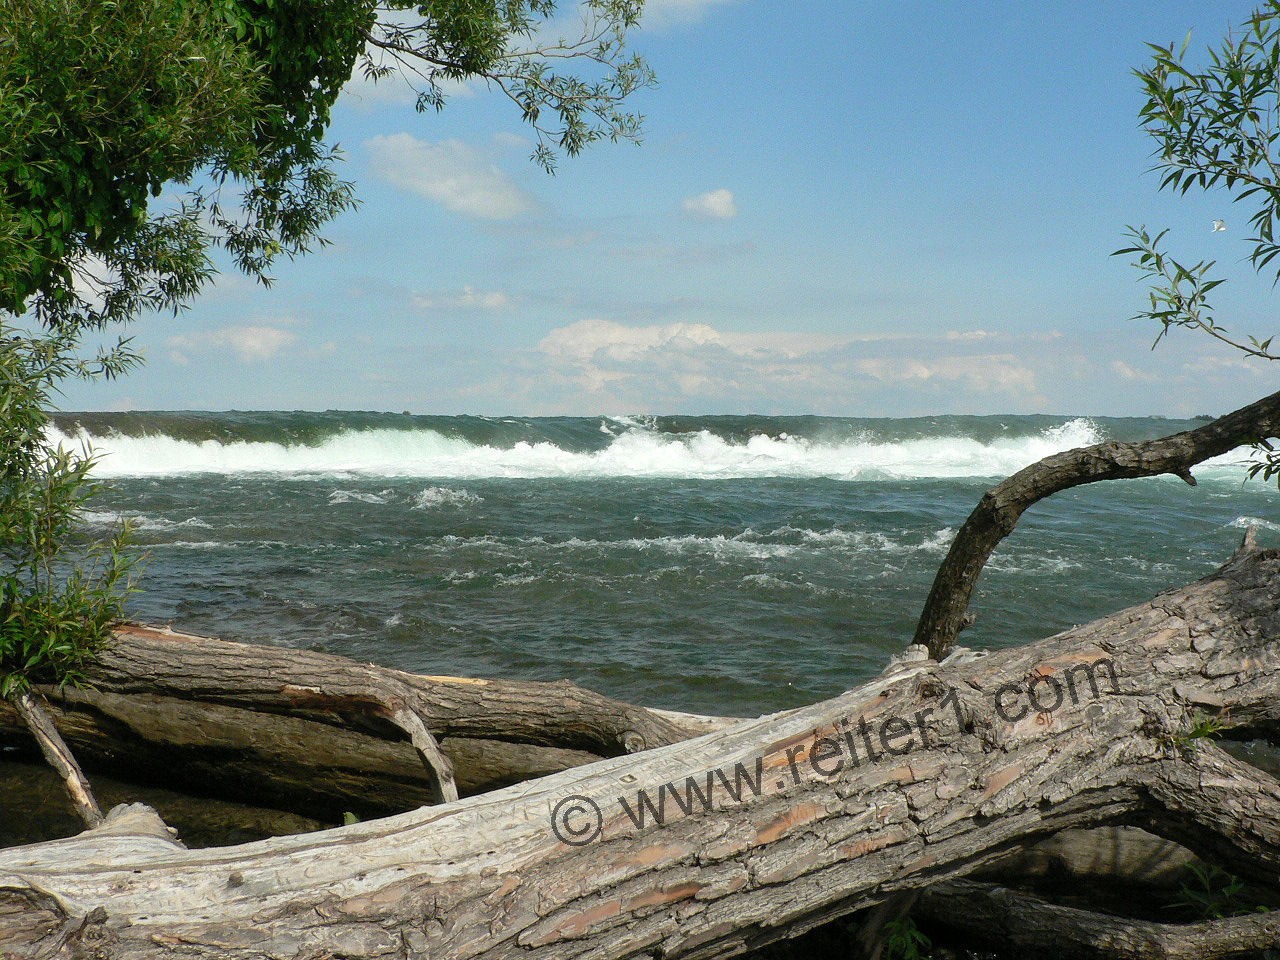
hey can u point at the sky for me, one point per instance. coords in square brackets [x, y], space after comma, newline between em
[839, 208]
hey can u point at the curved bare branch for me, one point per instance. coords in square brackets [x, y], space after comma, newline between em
[945, 613]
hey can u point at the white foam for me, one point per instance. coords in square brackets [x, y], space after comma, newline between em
[443, 497]
[782, 543]
[638, 452]
[103, 518]
[1244, 523]
[357, 496]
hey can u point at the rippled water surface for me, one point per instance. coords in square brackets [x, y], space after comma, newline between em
[723, 564]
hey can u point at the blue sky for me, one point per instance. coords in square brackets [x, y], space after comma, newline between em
[839, 208]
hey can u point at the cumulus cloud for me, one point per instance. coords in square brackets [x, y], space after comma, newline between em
[456, 176]
[250, 343]
[590, 340]
[91, 279]
[713, 205]
[467, 299]
[678, 364]
[367, 94]
[399, 87]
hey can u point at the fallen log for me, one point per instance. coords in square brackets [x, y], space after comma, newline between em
[741, 836]
[321, 735]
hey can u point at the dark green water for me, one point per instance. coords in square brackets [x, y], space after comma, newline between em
[726, 565]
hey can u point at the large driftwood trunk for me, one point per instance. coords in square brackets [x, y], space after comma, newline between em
[316, 734]
[710, 846]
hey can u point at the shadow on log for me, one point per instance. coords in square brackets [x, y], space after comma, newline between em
[704, 847]
[315, 733]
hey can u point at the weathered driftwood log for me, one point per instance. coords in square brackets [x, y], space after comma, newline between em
[334, 690]
[946, 611]
[762, 830]
[320, 734]
[233, 753]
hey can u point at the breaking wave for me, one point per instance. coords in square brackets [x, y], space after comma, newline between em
[621, 447]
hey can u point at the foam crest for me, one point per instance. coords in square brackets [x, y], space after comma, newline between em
[104, 518]
[444, 497]
[636, 451]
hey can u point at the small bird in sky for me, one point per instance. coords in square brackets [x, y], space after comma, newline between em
[1219, 225]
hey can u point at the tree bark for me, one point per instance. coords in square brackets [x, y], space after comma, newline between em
[744, 835]
[946, 611]
[321, 735]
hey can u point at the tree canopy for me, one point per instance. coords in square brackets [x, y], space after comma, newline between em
[137, 137]
[226, 104]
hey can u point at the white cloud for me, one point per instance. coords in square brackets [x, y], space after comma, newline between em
[980, 374]
[1126, 372]
[453, 174]
[368, 94]
[467, 299]
[399, 88]
[250, 343]
[714, 205]
[91, 279]
[676, 365]
[660, 14]
[587, 341]
[1231, 364]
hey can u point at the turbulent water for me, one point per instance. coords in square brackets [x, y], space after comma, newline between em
[719, 564]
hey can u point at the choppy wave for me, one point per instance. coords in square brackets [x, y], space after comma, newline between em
[104, 518]
[357, 496]
[631, 448]
[1244, 523]
[444, 497]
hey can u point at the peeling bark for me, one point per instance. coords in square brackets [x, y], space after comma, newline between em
[922, 776]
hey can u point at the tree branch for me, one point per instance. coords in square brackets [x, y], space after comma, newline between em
[1030, 925]
[60, 757]
[944, 614]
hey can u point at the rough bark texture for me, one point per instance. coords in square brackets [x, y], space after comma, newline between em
[946, 612]
[750, 833]
[320, 734]
[332, 689]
